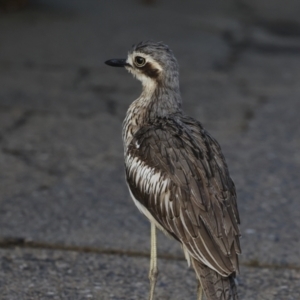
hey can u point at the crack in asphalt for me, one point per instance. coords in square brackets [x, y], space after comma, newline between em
[250, 112]
[238, 44]
[7, 243]
[26, 159]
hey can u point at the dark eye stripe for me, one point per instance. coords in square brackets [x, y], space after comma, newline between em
[149, 70]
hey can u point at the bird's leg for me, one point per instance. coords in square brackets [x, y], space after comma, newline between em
[200, 291]
[153, 262]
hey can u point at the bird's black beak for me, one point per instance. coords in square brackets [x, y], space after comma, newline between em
[116, 62]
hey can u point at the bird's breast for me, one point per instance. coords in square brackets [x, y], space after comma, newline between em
[134, 120]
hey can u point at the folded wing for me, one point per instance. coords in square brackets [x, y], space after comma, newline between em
[177, 172]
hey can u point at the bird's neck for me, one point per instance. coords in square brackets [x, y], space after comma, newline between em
[159, 101]
[153, 103]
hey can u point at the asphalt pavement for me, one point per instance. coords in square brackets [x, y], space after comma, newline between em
[68, 228]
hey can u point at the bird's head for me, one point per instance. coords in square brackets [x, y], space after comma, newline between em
[152, 63]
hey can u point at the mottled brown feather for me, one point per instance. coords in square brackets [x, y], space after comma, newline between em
[201, 211]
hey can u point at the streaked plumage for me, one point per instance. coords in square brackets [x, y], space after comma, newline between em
[177, 174]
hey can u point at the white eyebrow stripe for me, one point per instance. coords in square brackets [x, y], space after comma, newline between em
[148, 58]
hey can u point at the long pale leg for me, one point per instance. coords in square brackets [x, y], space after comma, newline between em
[153, 262]
[200, 292]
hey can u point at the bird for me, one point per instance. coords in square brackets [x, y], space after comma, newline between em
[177, 175]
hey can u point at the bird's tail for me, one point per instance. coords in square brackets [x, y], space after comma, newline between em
[215, 286]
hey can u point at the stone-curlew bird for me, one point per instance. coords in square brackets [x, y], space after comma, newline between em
[177, 174]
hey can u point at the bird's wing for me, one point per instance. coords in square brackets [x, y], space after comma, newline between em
[177, 172]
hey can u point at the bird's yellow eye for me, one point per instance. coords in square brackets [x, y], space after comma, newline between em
[139, 61]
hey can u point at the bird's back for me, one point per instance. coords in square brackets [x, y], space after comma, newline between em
[177, 172]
